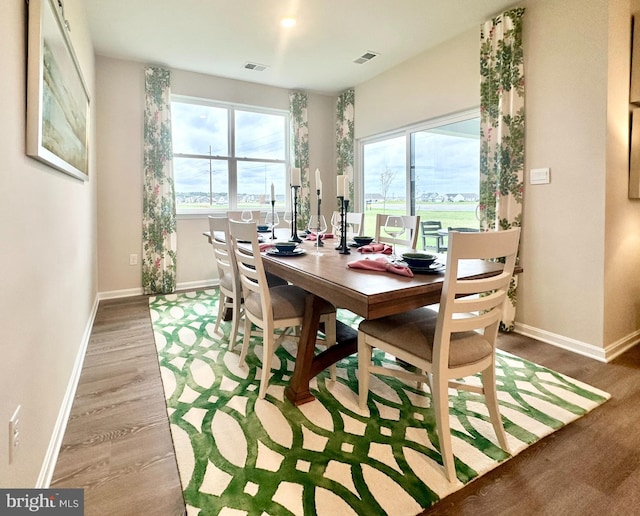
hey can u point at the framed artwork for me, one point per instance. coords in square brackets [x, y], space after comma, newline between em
[57, 97]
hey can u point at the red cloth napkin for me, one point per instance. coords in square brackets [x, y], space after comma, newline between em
[381, 264]
[376, 248]
[266, 246]
[312, 236]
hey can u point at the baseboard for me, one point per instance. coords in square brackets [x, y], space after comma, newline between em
[51, 457]
[116, 294]
[130, 292]
[582, 348]
[191, 285]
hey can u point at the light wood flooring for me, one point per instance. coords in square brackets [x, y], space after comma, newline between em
[118, 447]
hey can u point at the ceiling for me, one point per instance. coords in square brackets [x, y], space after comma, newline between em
[218, 37]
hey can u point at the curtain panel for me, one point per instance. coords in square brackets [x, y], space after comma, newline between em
[158, 203]
[345, 137]
[502, 125]
[300, 141]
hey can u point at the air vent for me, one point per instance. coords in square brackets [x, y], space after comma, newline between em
[255, 67]
[366, 57]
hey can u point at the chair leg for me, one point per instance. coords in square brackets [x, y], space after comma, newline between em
[440, 395]
[222, 305]
[268, 344]
[491, 399]
[245, 341]
[235, 322]
[364, 360]
[330, 335]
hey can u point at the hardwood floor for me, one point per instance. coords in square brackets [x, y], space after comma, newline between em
[118, 447]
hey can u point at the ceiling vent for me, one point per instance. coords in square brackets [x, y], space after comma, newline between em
[255, 67]
[366, 57]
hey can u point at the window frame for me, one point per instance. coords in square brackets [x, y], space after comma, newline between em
[407, 132]
[231, 159]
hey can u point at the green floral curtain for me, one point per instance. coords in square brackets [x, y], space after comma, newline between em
[345, 139]
[158, 203]
[502, 129]
[300, 140]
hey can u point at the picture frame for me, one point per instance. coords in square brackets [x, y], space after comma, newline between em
[58, 106]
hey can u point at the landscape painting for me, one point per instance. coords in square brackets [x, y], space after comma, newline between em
[57, 98]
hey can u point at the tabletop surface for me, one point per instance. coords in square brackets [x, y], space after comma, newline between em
[368, 293]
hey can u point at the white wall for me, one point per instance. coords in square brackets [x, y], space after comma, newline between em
[579, 247]
[120, 113]
[47, 257]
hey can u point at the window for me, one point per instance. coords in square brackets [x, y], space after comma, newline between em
[226, 156]
[431, 170]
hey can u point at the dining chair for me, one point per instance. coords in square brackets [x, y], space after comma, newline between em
[453, 342]
[353, 219]
[432, 229]
[270, 308]
[410, 236]
[237, 215]
[230, 288]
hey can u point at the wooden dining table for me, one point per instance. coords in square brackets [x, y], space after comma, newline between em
[370, 294]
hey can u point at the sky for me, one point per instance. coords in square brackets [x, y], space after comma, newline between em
[447, 160]
[200, 129]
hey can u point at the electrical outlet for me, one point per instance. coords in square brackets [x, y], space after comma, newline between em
[14, 435]
[133, 259]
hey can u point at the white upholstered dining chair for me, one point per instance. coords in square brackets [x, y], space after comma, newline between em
[410, 236]
[456, 341]
[270, 308]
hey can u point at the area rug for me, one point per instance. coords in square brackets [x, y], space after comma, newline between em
[240, 455]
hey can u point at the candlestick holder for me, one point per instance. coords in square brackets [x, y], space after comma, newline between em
[344, 207]
[294, 222]
[273, 220]
[320, 242]
[340, 245]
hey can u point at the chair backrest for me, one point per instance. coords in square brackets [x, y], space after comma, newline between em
[464, 230]
[410, 236]
[356, 220]
[430, 227]
[474, 304]
[237, 215]
[244, 238]
[224, 256]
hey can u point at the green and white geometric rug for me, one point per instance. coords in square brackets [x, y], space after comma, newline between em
[241, 455]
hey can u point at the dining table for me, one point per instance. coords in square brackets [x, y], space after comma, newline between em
[324, 274]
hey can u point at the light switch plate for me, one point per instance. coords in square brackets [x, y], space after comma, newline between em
[539, 176]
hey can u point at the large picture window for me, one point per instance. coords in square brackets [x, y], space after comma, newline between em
[227, 156]
[431, 169]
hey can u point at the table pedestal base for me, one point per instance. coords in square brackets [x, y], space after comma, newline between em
[308, 364]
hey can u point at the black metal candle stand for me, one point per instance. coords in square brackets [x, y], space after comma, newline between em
[344, 207]
[294, 222]
[273, 219]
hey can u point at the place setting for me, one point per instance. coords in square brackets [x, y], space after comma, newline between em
[283, 249]
[422, 263]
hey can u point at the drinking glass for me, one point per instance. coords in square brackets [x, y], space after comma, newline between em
[394, 227]
[246, 215]
[317, 225]
[336, 219]
[272, 220]
[288, 218]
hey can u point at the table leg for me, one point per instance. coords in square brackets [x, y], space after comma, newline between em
[308, 364]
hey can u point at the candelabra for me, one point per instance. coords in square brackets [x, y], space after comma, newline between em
[318, 239]
[344, 206]
[273, 220]
[294, 222]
